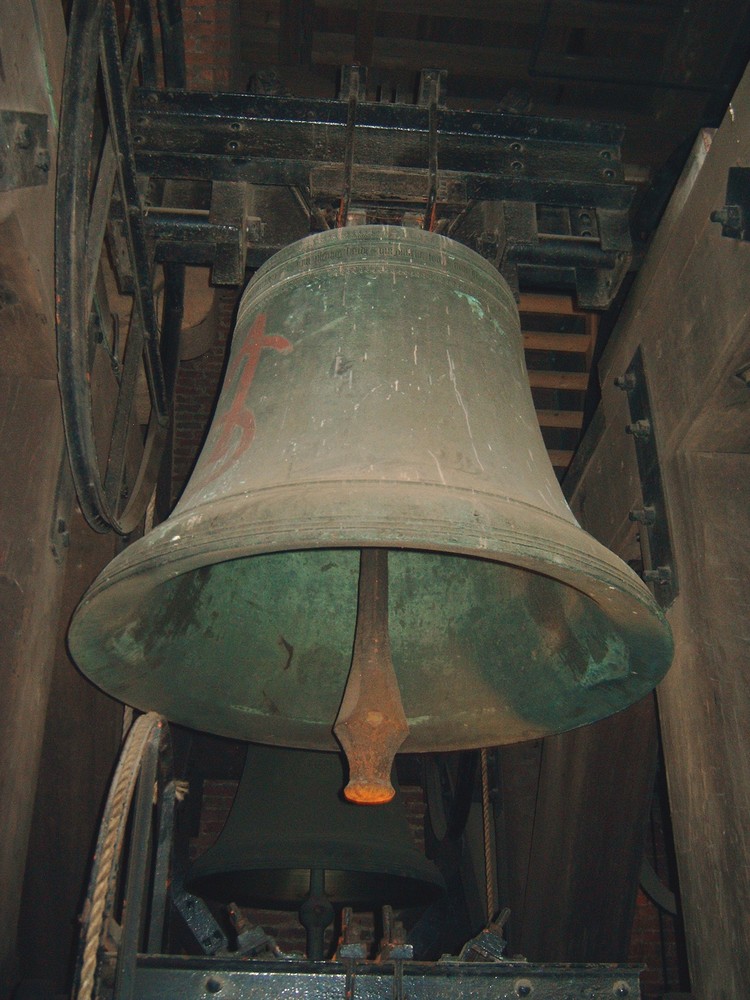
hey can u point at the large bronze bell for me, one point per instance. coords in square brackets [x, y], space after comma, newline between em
[289, 825]
[376, 400]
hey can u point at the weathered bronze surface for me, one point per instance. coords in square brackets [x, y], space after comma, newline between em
[289, 819]
[376, 396]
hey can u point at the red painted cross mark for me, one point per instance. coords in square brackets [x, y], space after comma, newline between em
[233, 431]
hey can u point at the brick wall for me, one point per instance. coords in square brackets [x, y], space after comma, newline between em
[211, 44]
[198, 384]
[212, 64]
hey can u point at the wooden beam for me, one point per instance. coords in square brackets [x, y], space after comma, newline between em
[364, 38]
[295, 32]
[560, 459]
[593, 799]
[332, 49]
[641, 17]
[568, 343]
[572, 419]
[572, 381]
[81, 741]
[556, 305]
[689, 312]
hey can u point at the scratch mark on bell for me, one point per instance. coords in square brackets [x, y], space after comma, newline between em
[452, 376]
[289, 648]
[440, 471]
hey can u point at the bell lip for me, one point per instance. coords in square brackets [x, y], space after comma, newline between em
[277, 519]
[408, 888]
[471, 523]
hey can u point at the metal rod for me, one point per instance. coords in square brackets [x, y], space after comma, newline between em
[351, 116]
[429, 215]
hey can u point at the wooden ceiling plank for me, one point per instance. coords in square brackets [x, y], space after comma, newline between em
[572, 381]
[364, 38]
[644, 18]
[571, 419]
[334, 49]
[295, 32]
[560, 459]
[556, 305]
[568, 343]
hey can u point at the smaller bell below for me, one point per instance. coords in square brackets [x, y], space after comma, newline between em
[290, 821]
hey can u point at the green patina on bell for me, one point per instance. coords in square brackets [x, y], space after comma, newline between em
[376, 398]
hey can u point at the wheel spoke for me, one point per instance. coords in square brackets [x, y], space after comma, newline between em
[121, 424]
[143, 299]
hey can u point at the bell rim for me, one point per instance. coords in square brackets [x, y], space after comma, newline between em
[265, 522]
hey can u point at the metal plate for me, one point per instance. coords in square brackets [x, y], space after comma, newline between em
[24, 156]
[160, 977]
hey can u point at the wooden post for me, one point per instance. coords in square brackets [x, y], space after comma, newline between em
[35, 490]
[31, 453]
[689, 313]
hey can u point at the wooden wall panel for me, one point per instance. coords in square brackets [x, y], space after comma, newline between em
[689, 311]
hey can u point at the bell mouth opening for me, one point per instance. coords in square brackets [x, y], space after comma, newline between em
[503, 627]
[285, 888]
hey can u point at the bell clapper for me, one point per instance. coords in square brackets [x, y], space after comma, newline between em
[315, 914]
[371, 724]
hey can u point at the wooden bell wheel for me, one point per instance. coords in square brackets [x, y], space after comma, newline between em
[116, 375]
[126, 905]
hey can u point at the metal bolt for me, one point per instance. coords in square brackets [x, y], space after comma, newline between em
[523, 987]
[640, 429]
[643, 515]
[662, 576]
[621, 989]
[626, 382]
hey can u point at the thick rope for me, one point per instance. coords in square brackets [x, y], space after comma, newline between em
[109, 843]
[489, 860]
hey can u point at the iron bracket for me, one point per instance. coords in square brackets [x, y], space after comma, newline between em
[24, 151]
[378, 162]
[160, 976]
[200, 921]
[656, 540]
[734, 218]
